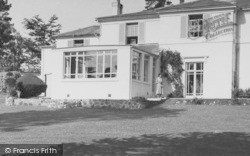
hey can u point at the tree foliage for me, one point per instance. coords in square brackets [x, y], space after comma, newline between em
[5, 25]
[171, 69]
[42, 32]
[152, 4]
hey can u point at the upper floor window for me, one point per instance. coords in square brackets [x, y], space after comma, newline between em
[132, 33]
[78, 43]
[195, 25]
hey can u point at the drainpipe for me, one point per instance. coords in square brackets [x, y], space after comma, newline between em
[235, 55]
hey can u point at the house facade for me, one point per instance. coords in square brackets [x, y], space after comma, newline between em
[118, 59]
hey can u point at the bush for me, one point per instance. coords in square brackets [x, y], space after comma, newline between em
[197, 101]
[10, 83]
[240, 93]
[30, 86]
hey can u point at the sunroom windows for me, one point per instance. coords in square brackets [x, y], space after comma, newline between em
[140, 67]
[136, 66]
[90, 64]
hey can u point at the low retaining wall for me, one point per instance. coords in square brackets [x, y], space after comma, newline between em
[102, 103]
[237, 101]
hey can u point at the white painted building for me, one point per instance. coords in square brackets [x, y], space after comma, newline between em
[119, 58]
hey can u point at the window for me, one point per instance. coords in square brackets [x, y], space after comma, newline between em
[132, 33]
[146, 68]
[136, 65]
[78, 43]
[90, 64]
[195, 25]
[194, 79]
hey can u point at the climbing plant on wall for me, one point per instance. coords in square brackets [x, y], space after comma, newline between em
[171, 69]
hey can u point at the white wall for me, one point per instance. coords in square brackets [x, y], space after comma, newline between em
[109, 34]
[170, 29]
[110, 31]
[244, 50]
[88, 89]
[216, 54]
[217, 67]
[62, 43]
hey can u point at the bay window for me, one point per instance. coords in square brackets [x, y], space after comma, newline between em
[90, 64]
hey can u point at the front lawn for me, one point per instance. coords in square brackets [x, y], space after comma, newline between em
[167, 129]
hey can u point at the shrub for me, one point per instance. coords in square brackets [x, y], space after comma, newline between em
[10, 83]
[30, 86]
[240, 93]
[197, 101]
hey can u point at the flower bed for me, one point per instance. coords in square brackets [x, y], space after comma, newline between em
[86, 103]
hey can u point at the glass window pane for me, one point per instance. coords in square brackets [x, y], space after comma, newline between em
[80, 65]
[73, 65]
[199, 66]
[67, 65]
[146, 68]
[100, 64]
[107, 64]
[90, 53]
[190, 83]
[114, 63]
[132, 29]
[90, 63]
[136, 66]
[199, 83]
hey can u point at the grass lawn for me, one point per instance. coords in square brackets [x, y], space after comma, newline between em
[164, 130]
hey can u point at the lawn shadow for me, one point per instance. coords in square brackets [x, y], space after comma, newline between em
[18, 121]
[188, 144]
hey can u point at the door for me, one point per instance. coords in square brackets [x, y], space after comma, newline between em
[194, 79]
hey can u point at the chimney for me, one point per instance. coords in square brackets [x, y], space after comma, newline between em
[117, 8]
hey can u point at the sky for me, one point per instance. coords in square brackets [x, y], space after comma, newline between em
[73, 14]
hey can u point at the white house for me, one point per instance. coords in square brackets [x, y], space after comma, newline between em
[118, 59]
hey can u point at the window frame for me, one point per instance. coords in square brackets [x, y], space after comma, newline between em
[68, 75]
[146, 76]
[194, 71]
[130, 38]
[78, 44]
[195, 31]
[136, 70]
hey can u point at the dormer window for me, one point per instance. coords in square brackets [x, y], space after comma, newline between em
[132, 33]
[195, 25]
[78, 43]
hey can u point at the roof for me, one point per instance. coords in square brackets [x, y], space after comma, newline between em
[201, 5]
[243, 3]
[145, 14]
[149, 48]
[190, 6]
[90, 31]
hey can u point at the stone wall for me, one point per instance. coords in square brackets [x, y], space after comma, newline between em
[86, 103]
[236, 101]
